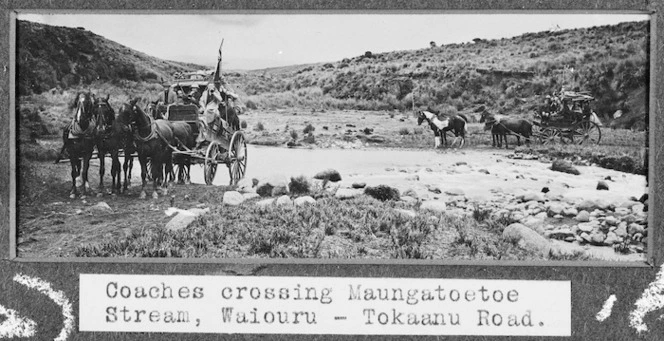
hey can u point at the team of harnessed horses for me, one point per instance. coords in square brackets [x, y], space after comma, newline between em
[132, 131]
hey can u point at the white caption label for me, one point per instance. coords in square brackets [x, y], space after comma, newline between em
[323, 305]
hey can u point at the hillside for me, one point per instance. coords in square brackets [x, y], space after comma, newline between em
[510, 75]
[51, 56]
[506, 75]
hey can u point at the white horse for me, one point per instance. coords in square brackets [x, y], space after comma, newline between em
[457, 124]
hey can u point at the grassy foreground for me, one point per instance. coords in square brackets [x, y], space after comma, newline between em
[360, 228]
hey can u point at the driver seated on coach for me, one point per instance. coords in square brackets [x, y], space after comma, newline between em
[209, 107]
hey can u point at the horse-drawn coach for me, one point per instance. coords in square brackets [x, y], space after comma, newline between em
[567, 116]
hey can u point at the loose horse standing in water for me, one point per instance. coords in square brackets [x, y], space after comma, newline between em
[107, 142]
[153, 139]
[456, 123]
[79, 140]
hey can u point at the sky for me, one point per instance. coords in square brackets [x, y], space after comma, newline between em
[256, 41]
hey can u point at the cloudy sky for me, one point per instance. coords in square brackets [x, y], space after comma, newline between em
[254, 41]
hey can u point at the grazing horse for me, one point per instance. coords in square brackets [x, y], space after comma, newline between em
[502, 126]
[78, 140]
[107, 142]
[456, 123]
[153, 139]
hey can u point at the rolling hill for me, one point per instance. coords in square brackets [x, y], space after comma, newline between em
[52, 56]
[510, 75]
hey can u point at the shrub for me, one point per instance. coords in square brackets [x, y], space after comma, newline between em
[259, 126]
[404, 131]
[251, 105]
[382, 192]
[243, 124]
[299, 185]
[293, 134]
[309, 128]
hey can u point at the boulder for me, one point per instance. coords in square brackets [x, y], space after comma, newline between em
[359, 185]
[527, 238]
[565, 167]
[284, 200]
[232, 198]
[583, 217]
[531, 196]
[555, 209]
[602, 186]
[246, 185]
[306, 200]
[433, 205]
[635, 228]
[100, 207]
[455, 192]
[184, 218]
[612, 238]
[328, 175]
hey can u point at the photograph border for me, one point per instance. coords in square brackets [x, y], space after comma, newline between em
[592, 282]
[654, 255]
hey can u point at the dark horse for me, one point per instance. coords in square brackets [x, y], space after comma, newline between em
[501, 126]
[79, 140]
[184, 137]
[107, 142]
[456, 124]
[123, 132]
[153, 139]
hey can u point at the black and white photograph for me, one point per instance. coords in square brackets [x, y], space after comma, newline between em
[382, 136]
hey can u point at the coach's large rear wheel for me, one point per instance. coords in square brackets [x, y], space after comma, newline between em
[210, 165]
[237, 157]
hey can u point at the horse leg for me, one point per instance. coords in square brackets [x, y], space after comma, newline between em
[75, 172]
[102, 169]
[144, 170]
[157, 171]
[126, 167]
[115, 172]
[518, 140]
[86, 168]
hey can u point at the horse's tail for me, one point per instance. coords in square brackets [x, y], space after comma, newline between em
[464, 117]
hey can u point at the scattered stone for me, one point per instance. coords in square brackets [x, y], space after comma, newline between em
[284, 200]
[484, 171]
[588, 227]
[232, 198]
[101, 207]
[570, 212]
[559, 233]
[554, 209]
[246, 186]
[602, 186]
[597, 238]
[565, 167]
[545, 189]
[455, 192]
[527, 238]
[408, 199]
[359, 185]
[408, 213]
[612, 238]
[583, 216]
[184, 218]
[635, 228]
[638, 208]
[382, 192]
[434, 188]
[530, 196]
[611, 221]
[434, 205]
[305, 200]
[329, 175]
[347, 193]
